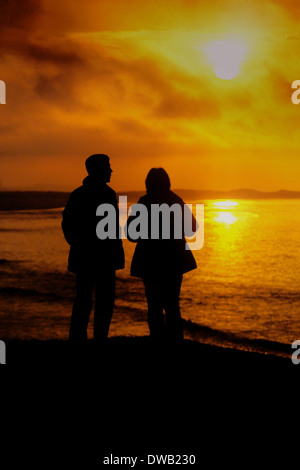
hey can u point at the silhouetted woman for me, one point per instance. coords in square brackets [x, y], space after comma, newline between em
[161, 262]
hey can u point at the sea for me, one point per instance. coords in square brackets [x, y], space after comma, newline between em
[245, 293]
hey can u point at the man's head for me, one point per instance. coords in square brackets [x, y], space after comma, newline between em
[98, 167]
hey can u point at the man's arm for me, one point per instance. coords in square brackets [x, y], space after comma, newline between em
[68, 222]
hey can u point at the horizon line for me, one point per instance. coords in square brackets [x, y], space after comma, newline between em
[4, 189]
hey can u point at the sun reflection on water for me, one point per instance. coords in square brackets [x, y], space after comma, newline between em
[226, 218]
[225, 204]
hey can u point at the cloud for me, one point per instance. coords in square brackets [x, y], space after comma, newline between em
[290, 6]
[53, 54]
[175, 105]
[129, 79]
[139, 130]
[16, 14]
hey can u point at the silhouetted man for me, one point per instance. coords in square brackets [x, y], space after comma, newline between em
[94, 261]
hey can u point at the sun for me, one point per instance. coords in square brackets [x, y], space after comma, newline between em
[226, 56]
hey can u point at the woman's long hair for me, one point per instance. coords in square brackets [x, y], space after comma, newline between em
[157, 181]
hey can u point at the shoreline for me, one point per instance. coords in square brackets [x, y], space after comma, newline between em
[129, 353]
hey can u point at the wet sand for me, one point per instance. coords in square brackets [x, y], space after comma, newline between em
[128, 353]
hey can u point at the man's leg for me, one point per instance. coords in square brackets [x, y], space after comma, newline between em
[171, 304]
[82, 307]
[155, 308]
[104, 303]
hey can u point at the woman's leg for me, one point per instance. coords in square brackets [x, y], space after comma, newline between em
[172, 288]
[155, 307]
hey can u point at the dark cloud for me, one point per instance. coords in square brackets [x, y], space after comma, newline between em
[53, 54]
[75, 141]
[291, 6]
[70, 94]
[139, 129]
[156, 86]
[61, 65]
[20, 14]
[59, 85]
[57, 90]
[280, 89]
[176, 105]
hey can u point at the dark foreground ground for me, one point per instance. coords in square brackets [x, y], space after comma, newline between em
[129, 353]
[73, 407]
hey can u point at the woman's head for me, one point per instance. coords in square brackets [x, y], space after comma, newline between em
[157, 181]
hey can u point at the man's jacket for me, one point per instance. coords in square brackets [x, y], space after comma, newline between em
[87, 252]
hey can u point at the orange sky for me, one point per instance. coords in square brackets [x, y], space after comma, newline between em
[132, 79]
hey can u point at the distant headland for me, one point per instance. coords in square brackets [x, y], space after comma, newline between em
[30, 200]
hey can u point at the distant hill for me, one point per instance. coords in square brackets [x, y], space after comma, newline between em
[236, 194]
[201, 195]
[29, 200]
